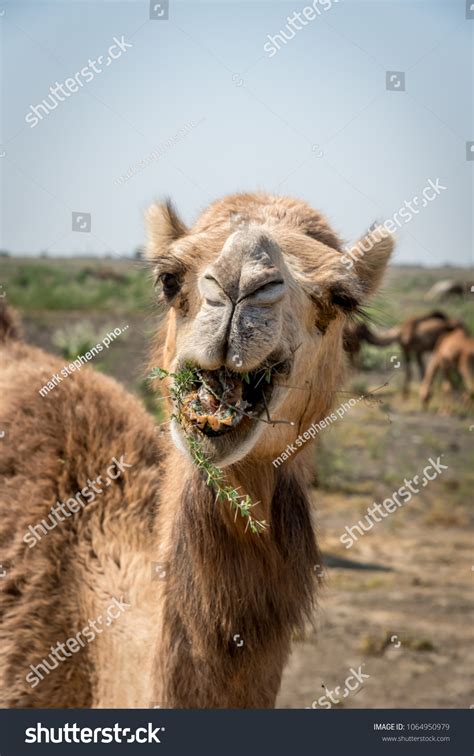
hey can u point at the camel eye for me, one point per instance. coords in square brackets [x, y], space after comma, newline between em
[170, 284]
[343, 299]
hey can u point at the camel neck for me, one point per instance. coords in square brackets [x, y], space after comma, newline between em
[231, 603]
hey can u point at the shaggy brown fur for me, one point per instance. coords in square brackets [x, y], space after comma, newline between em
[212, 627]
[52, 446]
[239, 598]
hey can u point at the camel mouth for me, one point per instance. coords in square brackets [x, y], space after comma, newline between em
[217, 401]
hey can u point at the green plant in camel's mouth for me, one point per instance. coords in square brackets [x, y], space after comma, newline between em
[211, 403]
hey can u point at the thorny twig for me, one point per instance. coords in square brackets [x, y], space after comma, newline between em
[242, 504]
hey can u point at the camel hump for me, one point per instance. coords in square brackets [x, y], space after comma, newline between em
[10, 329]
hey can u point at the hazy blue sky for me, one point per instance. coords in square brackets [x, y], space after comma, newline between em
[257, 117]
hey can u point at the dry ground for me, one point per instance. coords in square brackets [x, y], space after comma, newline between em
[418, 585]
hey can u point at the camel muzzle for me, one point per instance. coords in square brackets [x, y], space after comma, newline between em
[219, 400]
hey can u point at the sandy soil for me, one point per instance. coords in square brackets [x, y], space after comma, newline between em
[407, 618]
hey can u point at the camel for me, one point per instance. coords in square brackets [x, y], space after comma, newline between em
[356, 332]
[416, 336]
[448, 288]
[453, 354]
[208, 606]
[10, 326]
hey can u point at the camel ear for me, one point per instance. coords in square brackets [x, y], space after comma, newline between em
[369, 258]
[164, 226]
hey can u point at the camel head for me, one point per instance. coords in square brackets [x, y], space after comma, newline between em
[256, 299]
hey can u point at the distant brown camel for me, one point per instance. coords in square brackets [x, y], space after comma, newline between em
[453, 354]
[416, 336]
[211, 606]
[10, 327]
[355, 333]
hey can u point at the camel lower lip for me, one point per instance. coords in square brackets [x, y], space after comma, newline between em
[220, 400]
